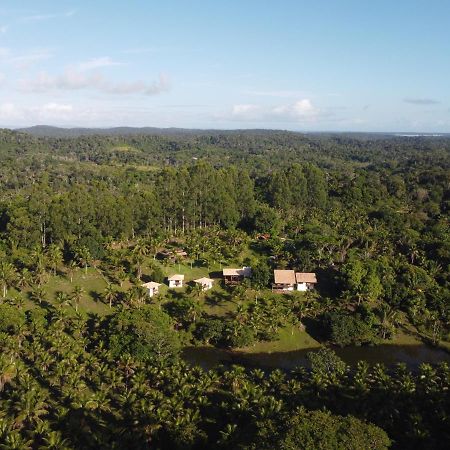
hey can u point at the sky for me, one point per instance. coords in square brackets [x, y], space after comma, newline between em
[323, 65]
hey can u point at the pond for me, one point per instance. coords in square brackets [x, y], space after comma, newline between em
[411, 355]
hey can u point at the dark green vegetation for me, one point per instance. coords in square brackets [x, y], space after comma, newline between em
[84, 221]
[62, 385]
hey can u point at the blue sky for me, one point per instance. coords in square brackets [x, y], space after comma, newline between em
[339, 65]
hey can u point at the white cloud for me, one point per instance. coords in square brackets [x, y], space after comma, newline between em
[279, 94]
[300, 111]
[22, 61]
[14, 114]
[41, 17]
[56, 108]
[244, 110]
[26, 60]
[421, 101]
[75, 80]
[96, 63]
[141, 50]
[8, 111]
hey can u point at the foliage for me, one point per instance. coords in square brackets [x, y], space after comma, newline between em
[347, 329]
[145, 333]
[311, 430]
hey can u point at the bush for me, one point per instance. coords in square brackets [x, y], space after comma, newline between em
[210, 331]
[345, 329]
[240, 336]
[11, 318]
[146, 333]
[311, 430]
[157, 275]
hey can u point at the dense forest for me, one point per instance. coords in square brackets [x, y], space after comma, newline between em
[83, 366]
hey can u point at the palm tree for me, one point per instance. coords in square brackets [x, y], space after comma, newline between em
[38, 294]
[120, 275]
[23, 278]
[153, 245]
[138, 261]
[109, 294]
[140, 251]
[196, 290]
[71, 268]
[8, 275]
[84, 256]
[55, 256]
[54, 441]
[77, 295]
[140, 294]
[62, 299]
[8, 370]
[389, 319]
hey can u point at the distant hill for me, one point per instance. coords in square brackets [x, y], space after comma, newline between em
[50, 131]
[58, 132]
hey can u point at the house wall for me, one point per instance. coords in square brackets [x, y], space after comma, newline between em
[305, 286]
[173, 283]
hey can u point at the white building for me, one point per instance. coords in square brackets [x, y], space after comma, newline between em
[235, 276]
[176, 281]
[284, 280]
[152, 288]
[206, 283]
[305, 281]
[288, 280]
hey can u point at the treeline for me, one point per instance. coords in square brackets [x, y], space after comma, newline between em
[118, 383]
[371, 215]
[174, 201]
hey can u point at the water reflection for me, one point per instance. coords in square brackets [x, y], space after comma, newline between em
[412, 355]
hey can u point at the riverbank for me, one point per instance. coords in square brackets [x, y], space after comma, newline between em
[292, 346]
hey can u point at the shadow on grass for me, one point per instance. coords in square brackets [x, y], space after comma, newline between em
[215, 274]
[217, 298]
[315, 329]
[96, 296]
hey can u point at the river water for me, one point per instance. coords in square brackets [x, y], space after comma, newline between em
[411, 355]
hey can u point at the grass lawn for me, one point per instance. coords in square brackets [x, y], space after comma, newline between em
[289, 339]
[92, 283]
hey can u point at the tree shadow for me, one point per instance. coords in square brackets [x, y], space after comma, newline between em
[174, 294]
[328, 283]
[146, 278]
[215, 274]
[96, 296]
[216, 298]
[315, 329]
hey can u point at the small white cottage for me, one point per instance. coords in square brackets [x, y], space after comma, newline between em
[288, 280]
[284, 280]
[176, 281]
[206, 283]
[235, 276]
[152, 288]
[305, 281]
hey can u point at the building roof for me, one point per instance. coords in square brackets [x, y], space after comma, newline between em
[306, 277]
[176, 277]
[151, 285]
[203, 280]
[244, 272]
[284, 276]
